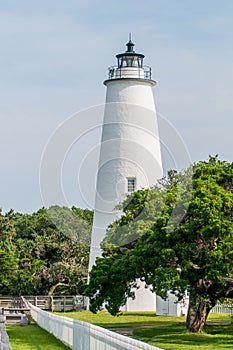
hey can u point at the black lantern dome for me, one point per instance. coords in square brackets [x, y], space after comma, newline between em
[130, 58]
[130, 66]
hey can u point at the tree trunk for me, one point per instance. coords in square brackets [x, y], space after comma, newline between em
[52, 289]
[197, 314]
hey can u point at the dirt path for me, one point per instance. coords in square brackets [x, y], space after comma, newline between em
[130, 330]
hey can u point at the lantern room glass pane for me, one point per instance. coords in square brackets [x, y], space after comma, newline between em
[139, 62]
[130, 61]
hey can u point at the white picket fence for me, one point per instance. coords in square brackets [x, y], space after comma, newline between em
[4, 339]
[223, 309]
[79, 335]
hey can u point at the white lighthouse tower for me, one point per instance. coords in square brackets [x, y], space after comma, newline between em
[130, 156]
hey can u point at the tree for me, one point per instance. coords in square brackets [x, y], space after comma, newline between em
[52, 248]
[176, 237]
[8, 262]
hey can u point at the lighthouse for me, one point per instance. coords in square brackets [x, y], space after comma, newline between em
[130, 156]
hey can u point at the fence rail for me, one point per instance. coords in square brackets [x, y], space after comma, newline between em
[4, 339]
[79, 335]
[223, 309]
[58, 303]
[144, 72]
[45, 302]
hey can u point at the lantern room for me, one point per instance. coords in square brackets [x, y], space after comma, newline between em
[130, 65]
[130, 58]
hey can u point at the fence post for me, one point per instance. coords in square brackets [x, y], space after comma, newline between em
[51, 303]
[4, 339]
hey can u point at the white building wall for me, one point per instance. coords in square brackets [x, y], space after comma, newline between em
[145, 300]
[170, 306]
[131, 91]
[130, 148]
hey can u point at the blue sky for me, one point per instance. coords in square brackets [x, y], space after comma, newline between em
[54, 58]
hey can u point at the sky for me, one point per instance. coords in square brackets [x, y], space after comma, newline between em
[54, 59]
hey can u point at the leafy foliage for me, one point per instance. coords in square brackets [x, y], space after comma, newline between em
[176, 237]
[8, 266]
[49, 250]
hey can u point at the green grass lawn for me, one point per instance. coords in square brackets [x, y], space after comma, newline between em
[168, 333]
[127, 319]
[32, 337]
[173, 337]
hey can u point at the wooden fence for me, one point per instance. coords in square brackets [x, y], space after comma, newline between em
[72, 302]
[53, 303]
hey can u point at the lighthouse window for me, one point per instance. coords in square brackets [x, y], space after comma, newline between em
[131, 184]
[135, 62]
[124, 62]
[129, 61]
[140, 62]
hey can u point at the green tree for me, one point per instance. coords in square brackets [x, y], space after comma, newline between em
[176, 237]
[52, 247]
[8, 262]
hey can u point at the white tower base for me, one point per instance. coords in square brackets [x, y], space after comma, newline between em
[130, 156]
